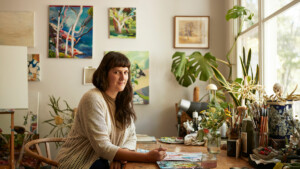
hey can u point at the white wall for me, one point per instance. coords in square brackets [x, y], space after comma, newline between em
[63, 77]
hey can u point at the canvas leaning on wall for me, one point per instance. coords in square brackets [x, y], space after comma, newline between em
[71, 32]
[191, 32]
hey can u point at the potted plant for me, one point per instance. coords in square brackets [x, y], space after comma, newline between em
[281, 112]
[211, 120]
[187, 69]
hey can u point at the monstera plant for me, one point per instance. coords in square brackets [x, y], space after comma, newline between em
[187, 69]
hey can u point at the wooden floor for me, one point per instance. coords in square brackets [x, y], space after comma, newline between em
[223, 162]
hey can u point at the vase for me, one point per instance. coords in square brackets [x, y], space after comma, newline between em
[280, 115]
[214, 142]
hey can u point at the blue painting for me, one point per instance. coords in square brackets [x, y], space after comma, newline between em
[70, 32]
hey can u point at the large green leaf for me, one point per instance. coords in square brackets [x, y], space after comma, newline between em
[201, 65]
[187, 69]
[236, 12]
[223, 82]
[243, 67]
[178, 64]
[248, 61]
[257, 75]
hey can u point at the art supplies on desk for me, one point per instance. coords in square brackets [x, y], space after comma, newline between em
[177, 165]
[183, 156]
[145, 139]
[182, 160]
[172, 140]
[178, 156]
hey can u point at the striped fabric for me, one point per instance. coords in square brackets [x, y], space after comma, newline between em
[94, 134]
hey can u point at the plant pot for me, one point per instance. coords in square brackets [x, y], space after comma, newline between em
[214, 142]
[279, 117]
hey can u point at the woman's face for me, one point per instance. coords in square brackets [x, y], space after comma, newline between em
[117, 79]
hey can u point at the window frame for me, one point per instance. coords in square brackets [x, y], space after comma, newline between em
[260, 25]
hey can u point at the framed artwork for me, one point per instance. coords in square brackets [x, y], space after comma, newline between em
[71, 32]
[191, 32]
[88, 75]
[33, 67]
[122, 23]
[139, 75]
[17, 28]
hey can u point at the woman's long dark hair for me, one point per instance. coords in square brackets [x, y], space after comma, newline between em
[124, 106]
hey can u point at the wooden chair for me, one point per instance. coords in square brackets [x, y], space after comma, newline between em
[38, 154]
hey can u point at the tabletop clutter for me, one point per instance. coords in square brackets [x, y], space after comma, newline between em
[266, 131]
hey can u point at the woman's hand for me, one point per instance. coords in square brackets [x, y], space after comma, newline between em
[117, 164]
[157, 154]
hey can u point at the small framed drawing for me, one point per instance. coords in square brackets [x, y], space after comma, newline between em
[88, 75]
[191, 32]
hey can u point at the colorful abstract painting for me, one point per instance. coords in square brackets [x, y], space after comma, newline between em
[70, 32]
[16, 28]
[33, 67]
[139, 75]
[122, 23]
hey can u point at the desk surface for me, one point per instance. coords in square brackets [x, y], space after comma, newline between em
[224, 162]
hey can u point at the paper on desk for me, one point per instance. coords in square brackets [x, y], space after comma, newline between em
[179, 156]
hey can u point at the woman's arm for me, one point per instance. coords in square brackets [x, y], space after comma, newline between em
[157, 154]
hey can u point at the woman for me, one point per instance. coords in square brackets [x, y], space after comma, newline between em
[104, 129]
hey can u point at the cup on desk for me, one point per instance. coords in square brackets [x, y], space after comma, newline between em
[231, 148]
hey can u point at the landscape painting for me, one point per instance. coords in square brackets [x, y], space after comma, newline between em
[71, 32]
[139, 75]
[33, 67]
[122, 23]
[191, 32]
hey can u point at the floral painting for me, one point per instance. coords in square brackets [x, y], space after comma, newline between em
[122, 23]
[33, 67]
[139, 75]
[70, 31]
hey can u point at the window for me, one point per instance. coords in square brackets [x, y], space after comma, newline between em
[274, 40]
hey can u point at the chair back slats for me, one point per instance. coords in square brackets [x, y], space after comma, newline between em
[47, 146]
[38, 149]
[38, 154]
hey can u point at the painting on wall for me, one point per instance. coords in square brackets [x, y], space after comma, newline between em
[139, 75]
[70, 32]
[17, 28]
[88, 73]
[122, 23]
[191, 32]
[33, 67]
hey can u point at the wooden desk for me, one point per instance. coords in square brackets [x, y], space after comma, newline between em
[223, 160]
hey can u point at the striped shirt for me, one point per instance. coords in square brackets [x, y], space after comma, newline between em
[94, 134]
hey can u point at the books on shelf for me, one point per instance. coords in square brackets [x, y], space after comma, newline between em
[142, 138]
